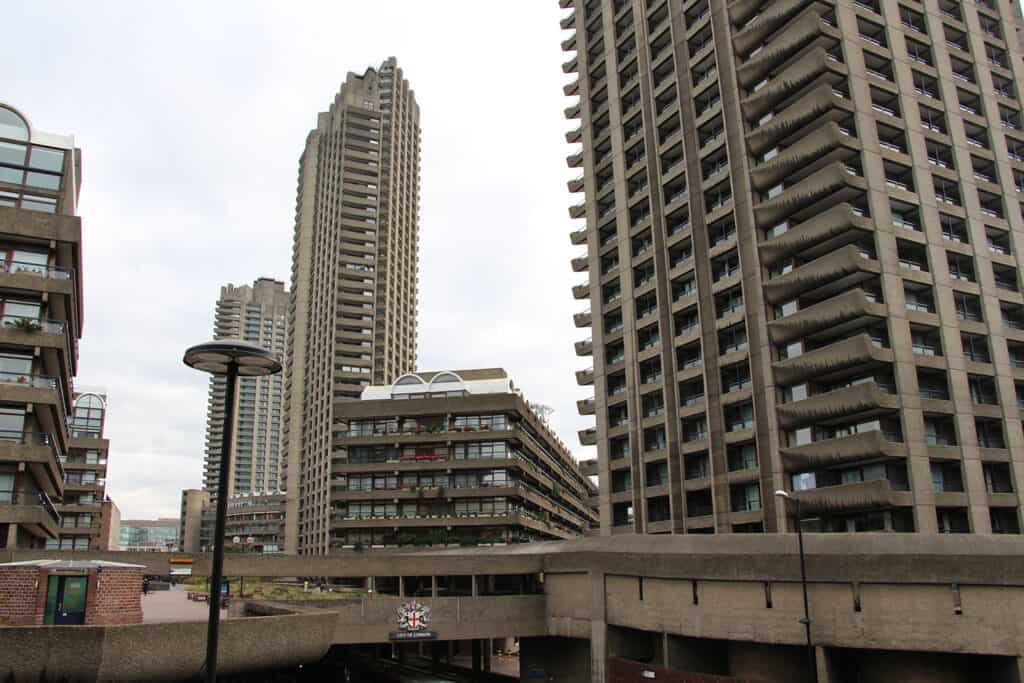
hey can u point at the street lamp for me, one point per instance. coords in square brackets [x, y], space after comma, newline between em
[806, 621]
[228, 358]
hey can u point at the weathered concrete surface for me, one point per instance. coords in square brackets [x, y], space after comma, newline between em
[162, 652]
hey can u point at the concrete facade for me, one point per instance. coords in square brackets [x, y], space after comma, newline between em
[82, 510]
[352, 315]
[193, 503]
[40, 275]
[801, 231]
[451, 458]
[692, 609]
[258, 314]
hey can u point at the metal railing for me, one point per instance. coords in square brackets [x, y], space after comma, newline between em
[36, 498]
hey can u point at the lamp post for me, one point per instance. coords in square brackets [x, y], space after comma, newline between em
[229, 358]
[806, 621]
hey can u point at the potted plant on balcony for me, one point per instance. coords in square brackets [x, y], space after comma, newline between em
[24, 324]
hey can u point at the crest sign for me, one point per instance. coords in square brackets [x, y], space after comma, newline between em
[413, 621]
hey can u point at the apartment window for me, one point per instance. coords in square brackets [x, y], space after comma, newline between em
[952, 520]
[925, 340]
[1005, 277]
[735, 377]
[692, 392]
[918, 297]
[650, 371]
[695, 429]
[622, 481]
[912, 256]
[654, 438]
[695, 466]
[975, 348]
[932, 384]
[742, 457]
[618, 448]
[983, 389]
[745, 497]
[729, 302]
[968, 306]
[946, 476]
[961, 266]
[739, 417]
[998, 241]
[947, 191]
[622, 514]
[989, 432]
[912, 20]
[732, 339]
[1004, 520]
[653, 404]
[997, 477]
[939, 430]
[953, 228]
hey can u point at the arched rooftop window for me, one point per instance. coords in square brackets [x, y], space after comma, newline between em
[12, 125]
[409, 380]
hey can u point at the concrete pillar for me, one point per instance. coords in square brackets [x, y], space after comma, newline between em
[477, 659]
[401, 586]
[433, 586]
[475, 591]
[821, 660]
[371, 585]
[12, 536]
[598, 629]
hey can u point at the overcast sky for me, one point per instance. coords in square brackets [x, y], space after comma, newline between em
[191, 117]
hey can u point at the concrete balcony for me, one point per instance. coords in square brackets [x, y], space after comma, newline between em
[574, 135]
[842, 450]
[818, 103]
[791, 79]
[585, 347]
[824, 277]
[568, 22]
[582, 319]
[578, 210]
[37, 451]
[588, 436]
[837, 316]
[811, 196]
[585, 406]
[588, 468]
[832, 362]
[818, 235]
[575, 185]
[566, 4]
[580, 264]
[33, 512]
[581, 291]
[813, 151]
[572, 112]
[787, 39]
[571, 66]
[578, 237]
[571, 89]
[585, 377]
[859, 401]
[569, 44]
[574, 160]
[865, 495]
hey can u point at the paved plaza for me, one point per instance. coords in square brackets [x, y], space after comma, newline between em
[174, 606]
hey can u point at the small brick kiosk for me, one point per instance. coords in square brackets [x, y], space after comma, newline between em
[70, 592]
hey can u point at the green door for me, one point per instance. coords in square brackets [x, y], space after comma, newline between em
[65, 600]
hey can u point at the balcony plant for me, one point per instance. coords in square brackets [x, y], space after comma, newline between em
[24, 324]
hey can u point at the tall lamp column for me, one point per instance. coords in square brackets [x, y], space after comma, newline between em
[229, 358]
[812, 664]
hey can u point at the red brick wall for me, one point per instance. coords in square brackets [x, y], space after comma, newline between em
[115, 597]
[19, 603]
[627, 671]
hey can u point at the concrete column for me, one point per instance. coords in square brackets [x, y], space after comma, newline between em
[475, 591]
[433, 586]
[12, 536]
[477, 659]
[401, 586]
[598, 629]
[371, 585]
[821, 661]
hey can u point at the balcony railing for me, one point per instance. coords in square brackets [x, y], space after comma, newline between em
[34, 439]
[37, 498]
[41, 270]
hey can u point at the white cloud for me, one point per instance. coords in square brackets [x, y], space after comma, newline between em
[191, 117]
